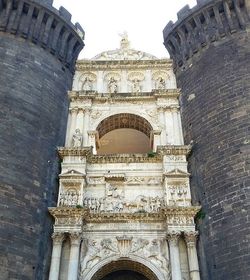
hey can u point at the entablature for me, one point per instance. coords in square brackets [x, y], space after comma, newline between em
[168, 215]
[125, 158]
[94, 65]
[121, 96]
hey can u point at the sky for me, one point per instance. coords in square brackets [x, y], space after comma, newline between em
[104, 20]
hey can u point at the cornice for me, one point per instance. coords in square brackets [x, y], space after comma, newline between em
[126, 96]
[58, 212]
[95, 65]
[162, 216]
[125, 158]
[183, 150]
[68, 151]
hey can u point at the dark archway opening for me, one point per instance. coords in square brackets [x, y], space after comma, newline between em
[124, 269]
[124, 275]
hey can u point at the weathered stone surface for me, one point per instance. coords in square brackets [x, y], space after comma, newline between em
[215, 83]
[33, 114]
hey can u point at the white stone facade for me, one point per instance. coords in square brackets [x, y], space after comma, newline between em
[133, 210]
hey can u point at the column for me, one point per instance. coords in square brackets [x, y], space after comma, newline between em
[155, 139]
[92, 140]
[190, 238]
[72, 128]
[86, 127]
[75, 239]
[162, 125]
[173, 239]
[169, 127]
[56, 255]
[181, 139]
[177, 136]
[67, 140]
[79, 120]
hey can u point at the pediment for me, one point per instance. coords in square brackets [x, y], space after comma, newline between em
[177, 173]
[72, 173]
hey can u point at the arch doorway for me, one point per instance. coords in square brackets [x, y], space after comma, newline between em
[124, 134]
[124, 270]
[124, 275]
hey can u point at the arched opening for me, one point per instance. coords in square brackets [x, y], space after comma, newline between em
[124, 134]
[124, 269]
[124, 275]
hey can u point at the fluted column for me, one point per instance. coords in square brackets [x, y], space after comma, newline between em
[86, 127]
[173, 239]
[190, 238]
[75, 240]
[56, 255]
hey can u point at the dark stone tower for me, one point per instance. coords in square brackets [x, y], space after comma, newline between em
[210, 46]
[38, 49]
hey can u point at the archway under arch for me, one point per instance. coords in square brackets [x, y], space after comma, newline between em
[124, 133]
[124, 269]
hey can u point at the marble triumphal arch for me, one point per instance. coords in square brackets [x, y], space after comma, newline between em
[124, 206]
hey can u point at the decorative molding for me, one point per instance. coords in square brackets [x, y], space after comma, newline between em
[85, 65]
[83, 96]
[136, 76]
[167, 150]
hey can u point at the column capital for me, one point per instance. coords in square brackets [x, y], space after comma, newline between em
[87, 110]
[73, 110]
[191, 237]
[58, 237]
[75, 238]
[173, 237]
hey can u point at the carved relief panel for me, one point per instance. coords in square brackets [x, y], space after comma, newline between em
[71, 189]
[97, 250]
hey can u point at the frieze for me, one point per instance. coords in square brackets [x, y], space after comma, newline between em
[129, 226]
[74, 151]
[95, 250]
[175, 158]
[89, 96]
[95, 180]
[85, 65]
[174, 150]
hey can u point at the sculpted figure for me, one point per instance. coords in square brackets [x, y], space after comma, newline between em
[92, 255]
[87, 84]
[156, 256]
[160, 84]
[77, 139]
[112, 86]
[136, 86]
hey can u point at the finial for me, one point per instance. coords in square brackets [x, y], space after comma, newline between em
[124, 43]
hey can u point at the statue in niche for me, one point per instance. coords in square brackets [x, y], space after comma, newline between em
[112, 86]
[160, 83]
[87, 84]
[77, 139]
[136, 88]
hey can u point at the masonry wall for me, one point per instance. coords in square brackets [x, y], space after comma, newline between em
[213, 71]
[37, 60]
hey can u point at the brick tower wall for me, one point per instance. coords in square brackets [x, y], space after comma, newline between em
[210, 46]
[38, 49]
